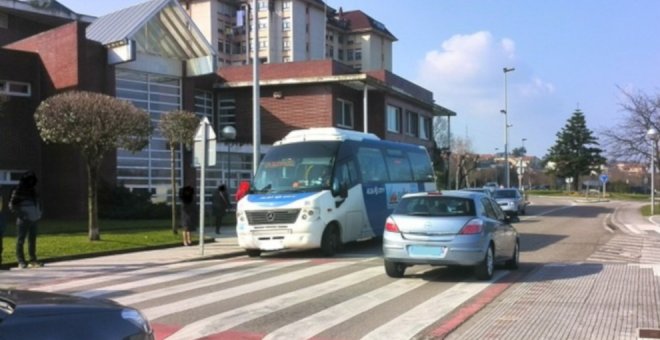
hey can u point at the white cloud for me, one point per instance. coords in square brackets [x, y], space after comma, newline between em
[465, 75]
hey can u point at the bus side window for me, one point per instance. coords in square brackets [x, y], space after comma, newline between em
[345, 175]
[372, 164]
[422, 171]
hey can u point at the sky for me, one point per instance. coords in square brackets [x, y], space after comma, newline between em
[567, 55]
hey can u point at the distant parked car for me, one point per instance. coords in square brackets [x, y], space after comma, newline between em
[485, 190]
[450, 228]
[491, 185]
[511, 200]
[38, 315]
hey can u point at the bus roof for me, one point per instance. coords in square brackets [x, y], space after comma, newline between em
[325, 134]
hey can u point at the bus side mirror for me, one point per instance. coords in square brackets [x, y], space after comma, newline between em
[340, 189]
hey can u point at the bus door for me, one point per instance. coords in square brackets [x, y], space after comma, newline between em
[350, 208]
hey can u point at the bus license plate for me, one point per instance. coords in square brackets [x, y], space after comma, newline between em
[427, 251]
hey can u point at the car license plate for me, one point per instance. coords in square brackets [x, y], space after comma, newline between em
[427, 251]
[271, 245]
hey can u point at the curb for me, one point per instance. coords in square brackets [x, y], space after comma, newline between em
[10, 265]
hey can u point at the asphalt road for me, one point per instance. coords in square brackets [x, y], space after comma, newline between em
[302, 294]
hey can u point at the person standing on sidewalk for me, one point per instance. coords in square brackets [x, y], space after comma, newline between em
[188, 213]
[220, 206]
[24, 203]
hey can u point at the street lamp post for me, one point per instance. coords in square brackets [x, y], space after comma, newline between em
[506, 127]
[521, 168]
[497, 175]
[228, 134]
[506, 148]
[652, 135]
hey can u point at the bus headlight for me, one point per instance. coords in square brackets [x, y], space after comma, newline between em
[311, 214]
[240, 216]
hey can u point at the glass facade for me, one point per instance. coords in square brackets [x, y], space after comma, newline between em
[150, 168]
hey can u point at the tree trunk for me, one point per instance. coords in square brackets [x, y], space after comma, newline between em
[174, 193]
[92, 202]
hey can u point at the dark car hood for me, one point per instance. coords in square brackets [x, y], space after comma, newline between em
[26, 301]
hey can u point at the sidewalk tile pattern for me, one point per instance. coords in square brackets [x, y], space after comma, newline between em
[574, 301]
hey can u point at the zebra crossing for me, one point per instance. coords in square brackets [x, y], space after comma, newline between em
[626, 248]
[284, 298]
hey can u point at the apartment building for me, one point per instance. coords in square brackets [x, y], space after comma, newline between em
[292, 30]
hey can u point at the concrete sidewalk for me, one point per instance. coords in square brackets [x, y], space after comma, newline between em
[613, 299]
[225, 245]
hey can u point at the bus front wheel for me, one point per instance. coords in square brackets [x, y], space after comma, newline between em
[330, 241]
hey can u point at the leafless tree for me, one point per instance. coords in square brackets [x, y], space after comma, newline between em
[178, 127]
[627, 140]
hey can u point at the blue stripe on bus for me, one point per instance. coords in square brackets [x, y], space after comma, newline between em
[381, 198]
[277, 200]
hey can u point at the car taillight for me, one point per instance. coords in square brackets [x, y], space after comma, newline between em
[391, 226]
[474, 226]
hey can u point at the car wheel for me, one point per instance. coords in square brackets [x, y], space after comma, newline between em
[394, 269]
[253, 252]
[330, 241]
[514, 262]
[484, 270]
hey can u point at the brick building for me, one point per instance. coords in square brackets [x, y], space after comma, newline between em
[153, 55]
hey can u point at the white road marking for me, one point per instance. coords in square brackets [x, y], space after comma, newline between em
[220, 295]
[188, 286]
[235, 317]
[127, 286]
[317, 323]
[70, 285]
[410, 323]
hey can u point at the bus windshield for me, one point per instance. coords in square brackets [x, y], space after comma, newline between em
[296, 167]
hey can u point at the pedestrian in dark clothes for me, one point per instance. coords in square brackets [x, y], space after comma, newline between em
[188, 213]
[24, 203]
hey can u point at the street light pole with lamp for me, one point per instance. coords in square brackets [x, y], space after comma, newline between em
[652, 135]
[228, 134]
[506, 127]
[506, 148]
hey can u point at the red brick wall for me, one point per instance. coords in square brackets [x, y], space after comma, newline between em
[299, 107]
[59, 51]
[303, 69]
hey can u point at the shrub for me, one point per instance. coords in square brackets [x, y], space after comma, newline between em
[119, 202]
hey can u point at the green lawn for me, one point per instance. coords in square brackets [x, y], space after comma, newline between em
[69, 239]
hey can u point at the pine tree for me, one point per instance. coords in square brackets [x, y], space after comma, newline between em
[576, 150]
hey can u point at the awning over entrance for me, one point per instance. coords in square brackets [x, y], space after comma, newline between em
[158, 28]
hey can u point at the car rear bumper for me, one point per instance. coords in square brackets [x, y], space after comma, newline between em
[462, 251]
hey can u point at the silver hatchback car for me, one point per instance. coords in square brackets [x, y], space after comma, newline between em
[451, 228]
[512, 201]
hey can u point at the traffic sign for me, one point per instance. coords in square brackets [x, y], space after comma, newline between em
[204, 144]
[603, 178]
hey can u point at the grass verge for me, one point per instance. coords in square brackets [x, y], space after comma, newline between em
[58, 240]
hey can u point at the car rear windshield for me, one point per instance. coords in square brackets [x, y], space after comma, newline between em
[504, 194]
[435, 206]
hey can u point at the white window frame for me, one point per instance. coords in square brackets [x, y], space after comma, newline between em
[410, 125]
[394, 118]
[8, 87]
[343, 116]
[424, 127]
